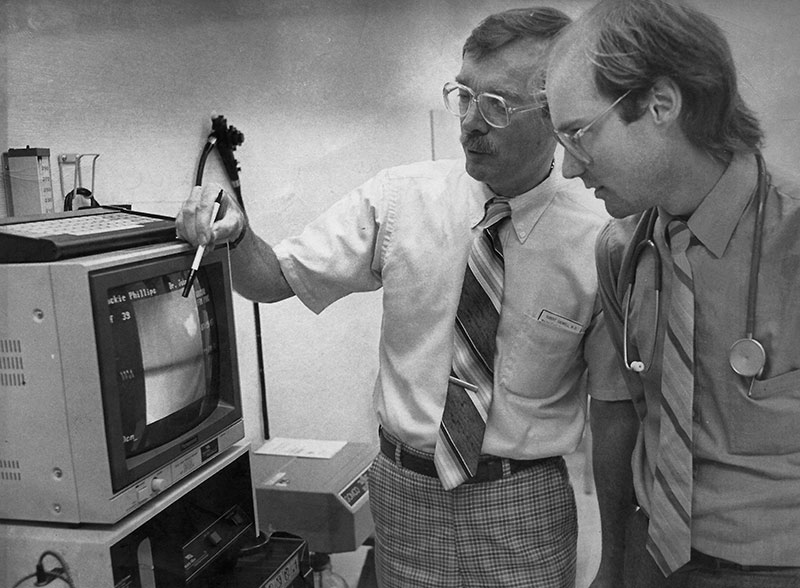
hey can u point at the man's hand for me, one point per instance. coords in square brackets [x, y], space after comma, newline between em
[255, 271]
[193, 222]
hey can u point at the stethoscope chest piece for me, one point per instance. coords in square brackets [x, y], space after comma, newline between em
[747, 357]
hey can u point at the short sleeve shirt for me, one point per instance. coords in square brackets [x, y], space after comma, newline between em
[409, 231]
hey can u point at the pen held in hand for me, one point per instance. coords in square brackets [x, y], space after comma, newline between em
[201, 249]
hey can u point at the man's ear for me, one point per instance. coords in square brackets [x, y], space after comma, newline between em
[665, 101]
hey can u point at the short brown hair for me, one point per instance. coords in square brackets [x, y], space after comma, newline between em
[498, 30]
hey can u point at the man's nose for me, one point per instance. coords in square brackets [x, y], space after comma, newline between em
[571, 167]
[473, 120]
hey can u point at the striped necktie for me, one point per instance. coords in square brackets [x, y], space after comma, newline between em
[669, 540]
[458, 446]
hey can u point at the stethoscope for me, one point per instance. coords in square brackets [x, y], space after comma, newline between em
[747, 356]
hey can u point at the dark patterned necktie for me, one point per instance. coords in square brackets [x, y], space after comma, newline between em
[469, 392]
[669, 537]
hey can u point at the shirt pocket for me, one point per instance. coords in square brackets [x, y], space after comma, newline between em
[768, 421]
[538, 357]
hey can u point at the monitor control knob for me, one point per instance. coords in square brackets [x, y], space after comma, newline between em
[158, 484]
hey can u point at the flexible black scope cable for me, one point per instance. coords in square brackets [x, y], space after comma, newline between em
[226, 140]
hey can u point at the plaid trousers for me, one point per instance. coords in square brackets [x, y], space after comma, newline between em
[518, 531]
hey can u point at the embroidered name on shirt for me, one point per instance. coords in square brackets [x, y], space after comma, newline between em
[559, 321]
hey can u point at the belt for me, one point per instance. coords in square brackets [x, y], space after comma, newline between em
[717, 563]
[489, 468]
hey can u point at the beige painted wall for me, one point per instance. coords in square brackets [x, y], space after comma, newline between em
[326, 92]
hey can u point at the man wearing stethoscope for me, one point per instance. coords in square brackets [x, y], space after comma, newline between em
[699, 280]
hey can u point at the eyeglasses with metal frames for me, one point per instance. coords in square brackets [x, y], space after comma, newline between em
[572, 141]
[494, 109]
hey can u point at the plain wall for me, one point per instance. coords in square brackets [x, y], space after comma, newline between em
[326, 92]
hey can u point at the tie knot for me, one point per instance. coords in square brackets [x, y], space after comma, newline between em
[497, 209]
[679, 235]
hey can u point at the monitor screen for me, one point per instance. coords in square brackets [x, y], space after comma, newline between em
[166, 351]
[173, 365]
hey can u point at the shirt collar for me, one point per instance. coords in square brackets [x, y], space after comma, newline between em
[478, 205]
[715, 220]
[527, 208]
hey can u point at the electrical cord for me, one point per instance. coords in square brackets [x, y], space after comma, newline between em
[44, 577]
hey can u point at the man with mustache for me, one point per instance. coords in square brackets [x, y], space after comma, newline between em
[508, 517]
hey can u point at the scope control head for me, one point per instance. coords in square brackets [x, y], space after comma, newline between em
[228, 136]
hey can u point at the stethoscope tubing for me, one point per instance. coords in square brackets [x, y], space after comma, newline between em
[647, 243]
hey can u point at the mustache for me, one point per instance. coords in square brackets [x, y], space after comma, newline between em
[480, 143]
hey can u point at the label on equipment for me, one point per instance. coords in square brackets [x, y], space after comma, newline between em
[352, 494]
